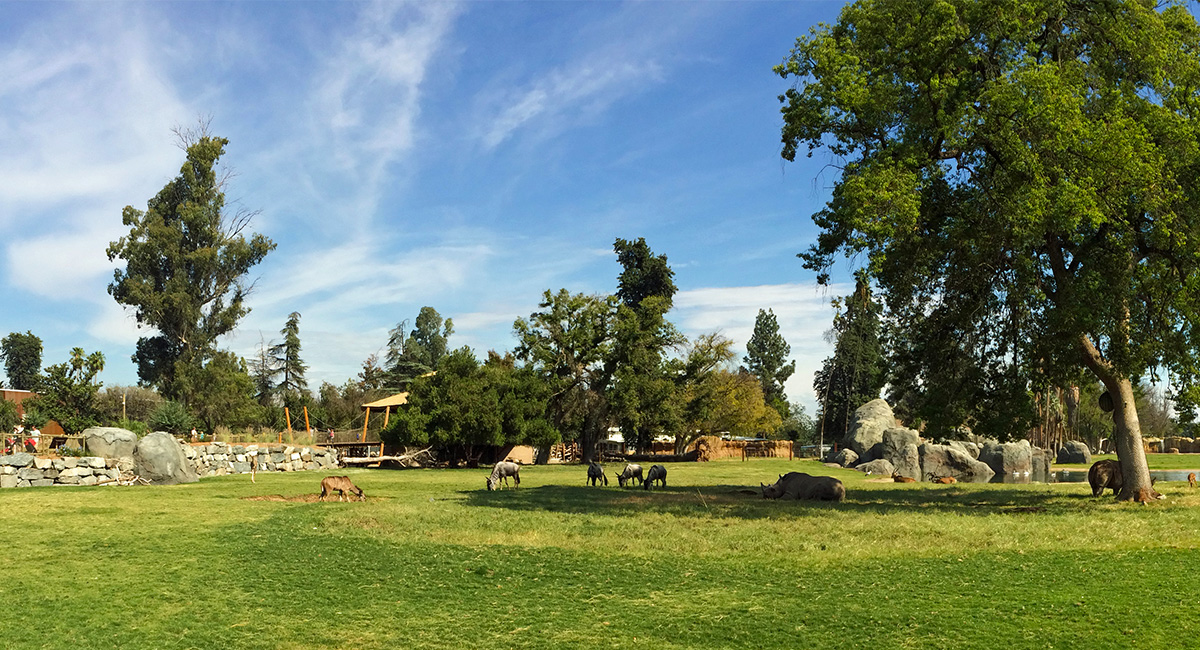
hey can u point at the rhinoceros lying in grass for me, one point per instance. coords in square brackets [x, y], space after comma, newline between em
[798, 485]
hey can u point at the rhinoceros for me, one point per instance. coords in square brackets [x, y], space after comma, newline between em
[632, 471]
[798, 485]
[656, 473]
[596, 475]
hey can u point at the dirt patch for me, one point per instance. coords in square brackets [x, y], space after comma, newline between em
[303, 498]
[880, 480]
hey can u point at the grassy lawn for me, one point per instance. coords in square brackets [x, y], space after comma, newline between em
[432, 560]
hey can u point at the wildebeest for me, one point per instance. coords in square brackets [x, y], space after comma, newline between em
[501, 472]
[596, 475]
[1105, 474]
[656, 473]
[798, 485]
[632, 471]
[903, 479]
[1192, 480]
[341, 485]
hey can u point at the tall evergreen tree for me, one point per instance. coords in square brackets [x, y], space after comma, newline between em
[417, 353]
[854, 375]
[289, 367]
[22, 354]
[185, 262]
[766, 358]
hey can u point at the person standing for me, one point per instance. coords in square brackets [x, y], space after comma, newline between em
[31, 443]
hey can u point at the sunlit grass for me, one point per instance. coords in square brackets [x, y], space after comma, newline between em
[432, 560]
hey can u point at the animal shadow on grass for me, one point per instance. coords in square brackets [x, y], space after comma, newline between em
[743, 502]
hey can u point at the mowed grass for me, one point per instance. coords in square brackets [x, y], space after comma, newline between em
[432, 560]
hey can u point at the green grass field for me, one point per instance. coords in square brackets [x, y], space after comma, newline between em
[432, 560]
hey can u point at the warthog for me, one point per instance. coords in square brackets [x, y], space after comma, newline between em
[1192, 480]
[501, 472]
[1105, 474]
[596, 475]
[798, 485]
[903, 479]
[341, 485]
[656, 473]
[632, 471]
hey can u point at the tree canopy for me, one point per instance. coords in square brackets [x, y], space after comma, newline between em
[288, 366]
[1021, 179]
[855, 373]
[766, 358]
[418, 352]
[22, 354]
[186, 259]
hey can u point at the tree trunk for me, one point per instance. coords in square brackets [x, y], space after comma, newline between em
[1127, 432]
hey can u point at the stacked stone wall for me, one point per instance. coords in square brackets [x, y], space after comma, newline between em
[24, 470]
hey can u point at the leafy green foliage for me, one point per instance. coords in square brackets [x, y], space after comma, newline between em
[131, 402]
[185, 259]
[173, 418]
[1020, 179]
[222, 391]
[419, 352]
[766, 359]
[22, 354]
[8, 416]
[854, 375]
[67, 393]
[468, 404]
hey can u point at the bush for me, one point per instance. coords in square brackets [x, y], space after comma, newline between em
[173, 418]
[8, 416]
[136, 426]
[139, 404]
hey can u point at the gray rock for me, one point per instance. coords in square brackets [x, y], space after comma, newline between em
[42, 482]
[1008, 459]
[29, 473]
[1041, 465]
[241, 467]
[969, 448]
[900, 449]
[1074, 451]
[50, 473]
[866, 430]
[43, 463]
[68, 479]
[88, 480]
[19, 459]
[94, 462]
[110, 442]
[944, 460]
[879, 466]
[5, 469]
[159, 459]
[8, 481]
[843, 458]
[68, 463]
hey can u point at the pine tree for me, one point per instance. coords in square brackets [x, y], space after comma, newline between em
[289, 367]
[854, 375]
[766, 353]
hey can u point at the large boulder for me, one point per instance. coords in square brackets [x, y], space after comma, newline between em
[110, 442]
[843, 458]
[1041, 465]
[969, 448]
[1008, 459]
[869, 422]
[1074, 452]
[880, 466]
[159, 459]
[943, 460]
[899, 448]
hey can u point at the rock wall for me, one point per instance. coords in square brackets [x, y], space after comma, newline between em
[23, 470]
[219, 458]
[216, 459]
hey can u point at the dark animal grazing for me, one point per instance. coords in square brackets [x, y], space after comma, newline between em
[1192, 480]
[656, 473]
[1105, 474]
[631, 472]
[801, 486]
[903, 479]
[596, 475]
[341, 485]
[501, 472]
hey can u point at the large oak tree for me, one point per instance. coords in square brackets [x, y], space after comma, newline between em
[1022, 181]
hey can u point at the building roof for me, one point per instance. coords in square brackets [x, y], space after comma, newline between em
[399, 399]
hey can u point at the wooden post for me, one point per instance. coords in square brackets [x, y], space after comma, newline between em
[386, 415]
[287, 415]
[307, 429]
[366, 419]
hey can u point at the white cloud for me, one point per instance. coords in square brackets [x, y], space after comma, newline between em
[802, 311]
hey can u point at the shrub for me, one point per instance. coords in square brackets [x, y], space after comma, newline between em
[171, 417]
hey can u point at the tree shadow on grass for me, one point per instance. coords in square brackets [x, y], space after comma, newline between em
[743, 502]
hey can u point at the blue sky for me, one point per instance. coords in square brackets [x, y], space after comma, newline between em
[463, 156]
